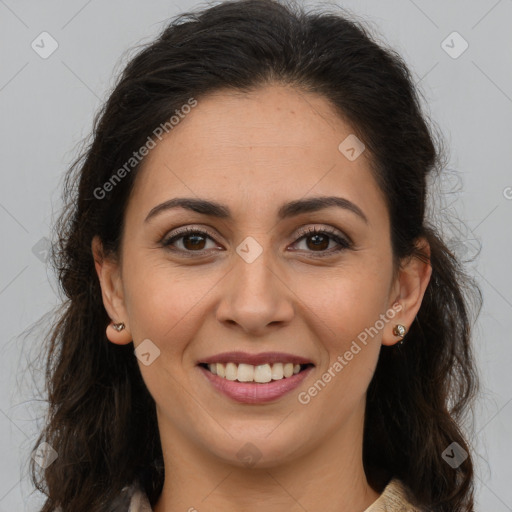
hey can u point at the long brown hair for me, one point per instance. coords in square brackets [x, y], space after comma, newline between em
[101, 418]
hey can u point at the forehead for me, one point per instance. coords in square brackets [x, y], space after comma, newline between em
[274, 143]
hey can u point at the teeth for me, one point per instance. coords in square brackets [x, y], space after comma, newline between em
[231, 371]
[277, 371]
[262, 373]
[221, 370]
[245, 372]
[288, 369]
[248, 373]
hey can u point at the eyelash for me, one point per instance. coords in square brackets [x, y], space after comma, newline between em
[344, 243]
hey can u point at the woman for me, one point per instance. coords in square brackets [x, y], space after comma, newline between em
[258, 308]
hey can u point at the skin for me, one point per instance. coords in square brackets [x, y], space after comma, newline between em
[254, 152]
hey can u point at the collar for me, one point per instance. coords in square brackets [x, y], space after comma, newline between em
[392, 499]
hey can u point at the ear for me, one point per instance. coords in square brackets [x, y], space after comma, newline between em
[109, 275]
[408, 291]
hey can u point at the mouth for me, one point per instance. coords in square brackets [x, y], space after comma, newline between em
[255, 378]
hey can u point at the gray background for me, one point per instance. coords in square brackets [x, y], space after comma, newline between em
[47, 106]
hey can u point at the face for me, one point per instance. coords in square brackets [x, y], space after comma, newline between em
[252, 277]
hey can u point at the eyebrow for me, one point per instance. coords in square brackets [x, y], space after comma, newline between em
[291, 209]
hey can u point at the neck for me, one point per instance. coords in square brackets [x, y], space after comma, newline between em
[329, 477]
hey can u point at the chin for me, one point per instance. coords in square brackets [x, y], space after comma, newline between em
[259, 451]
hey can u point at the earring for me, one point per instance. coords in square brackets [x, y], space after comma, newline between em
[399, 330]
[118, 327]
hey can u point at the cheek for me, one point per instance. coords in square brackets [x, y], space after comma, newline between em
[164, 303]
[344, 317]
[345, 311]
[166, 308]
[347, 303]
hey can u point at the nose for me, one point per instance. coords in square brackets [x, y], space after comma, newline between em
[255, 296]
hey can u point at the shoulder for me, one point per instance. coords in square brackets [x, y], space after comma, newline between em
[393, 499]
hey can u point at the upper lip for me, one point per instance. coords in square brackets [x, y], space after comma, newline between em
[255, 359]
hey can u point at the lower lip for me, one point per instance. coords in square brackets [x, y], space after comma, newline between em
[253, 392]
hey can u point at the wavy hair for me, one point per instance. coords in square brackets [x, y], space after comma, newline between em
[101, 418]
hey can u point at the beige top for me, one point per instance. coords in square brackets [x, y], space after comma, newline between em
[392, 499]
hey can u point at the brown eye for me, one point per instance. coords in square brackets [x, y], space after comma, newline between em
[192, 240]
[318, 241]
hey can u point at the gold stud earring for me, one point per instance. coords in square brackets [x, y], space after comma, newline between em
[399, 330]
[118, 327]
